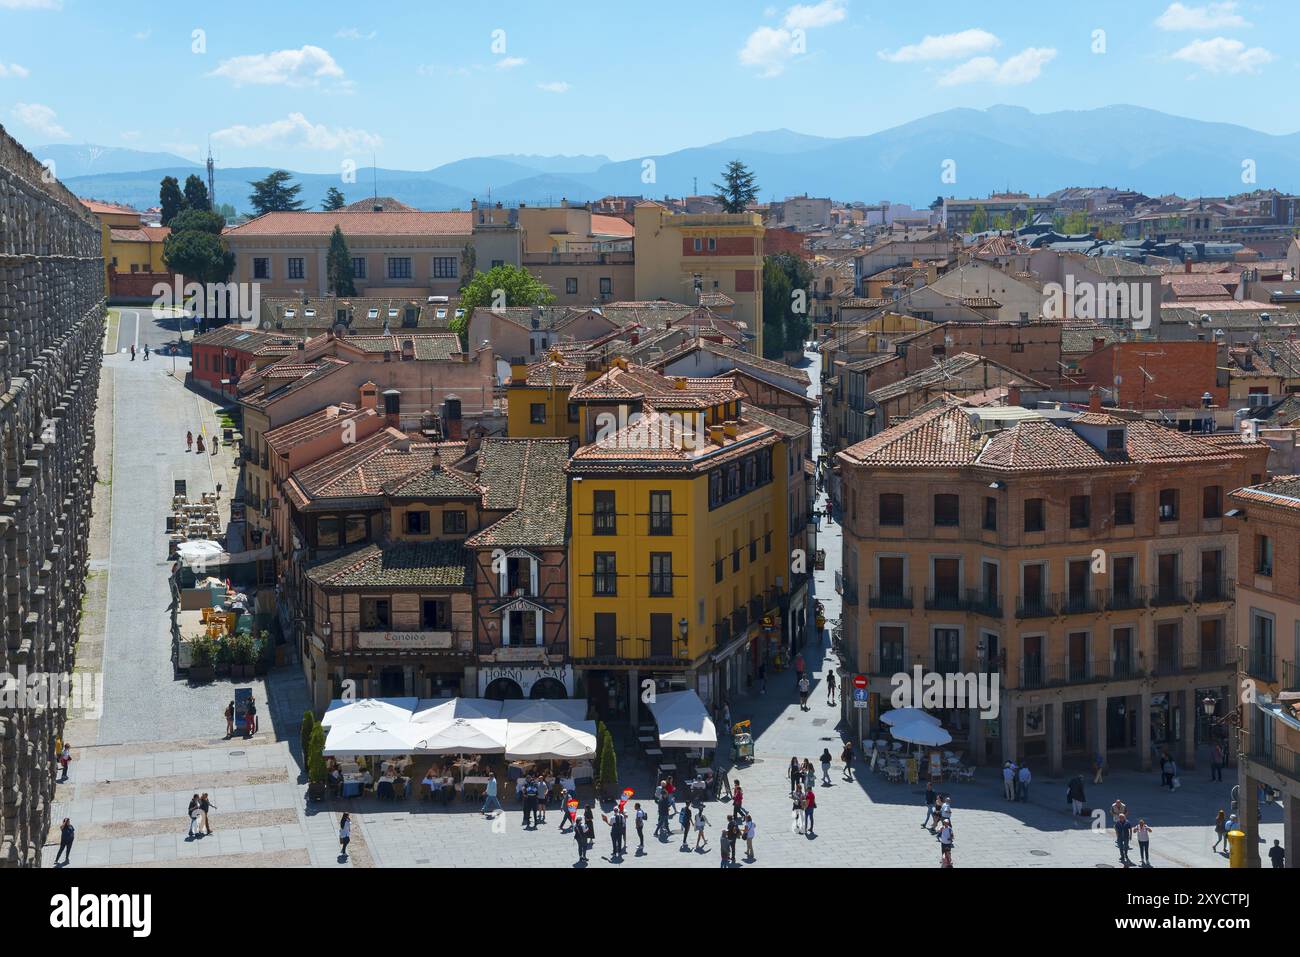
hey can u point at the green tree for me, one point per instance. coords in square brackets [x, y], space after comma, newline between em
[979, 219]
[305, 733]
[333, 200]
[787, 294]
[1002, 222]
[228, 212]
[196, 194]
[738, 188]
[338, 266]
[170, 198]
[275, 194]
[1075, 223]
[198, 220]
[504, 285]
[468, 261]
[316, 756]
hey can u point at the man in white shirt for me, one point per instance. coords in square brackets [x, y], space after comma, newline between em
[1008, 781]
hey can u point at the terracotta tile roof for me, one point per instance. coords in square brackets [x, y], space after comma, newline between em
[425, 346]
[443, 481]
[321, 224]
[1099, 418]
[526, 476]
[740, 358]
[642, 384]
[97, 206]
[549, 372]
[328, 419]
[654, 444]
[144, 234]
[1281, 492]
[942, 436]
[241, 338]
[1078, 336]
[260, 387]
[368, 468]
[368, 206]
[611, 226]
[399, 565]
[961, 371]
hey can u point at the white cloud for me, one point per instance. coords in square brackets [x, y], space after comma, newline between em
[296, 132]
[40, 118]
[31, 4]
[1212, 16]
[510, 62]
[304, 67]
[945, 46]
[1024, 67]
[144, 34]
[1222, 55]
[558, 86]
[772, 48]
[13, 71]
[352, 33]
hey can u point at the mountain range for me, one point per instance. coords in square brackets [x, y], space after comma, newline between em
[983, 150]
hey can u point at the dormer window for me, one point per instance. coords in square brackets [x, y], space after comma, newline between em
[1114, 440]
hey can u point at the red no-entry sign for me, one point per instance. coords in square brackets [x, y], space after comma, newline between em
[859, 681]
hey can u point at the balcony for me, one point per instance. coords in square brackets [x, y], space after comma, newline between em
[1035, 606]
[1290, 676]
[945, 599]
[1165, 594]
[1124, 599]
[1216, 658]
[889, 597]
[624, 649]
[1123, 667]
[1259, 664]
[1280, 758]
[1081, 603]
[756, 610]
[886, 664]
[739, 621]
[1033, 673]
[1213, 589]
[984, 603]
[721, 633]
[1170, 663]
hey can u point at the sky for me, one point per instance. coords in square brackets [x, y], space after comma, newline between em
[311, 86]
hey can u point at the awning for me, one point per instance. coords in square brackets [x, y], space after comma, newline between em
[371, 738]
[461, 736]
[920, 732]
[390, 711]
[683, 721]
[550, 741]
[431, 711]
[906, 715]
[571, 711]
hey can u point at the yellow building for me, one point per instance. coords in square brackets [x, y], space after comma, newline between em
[680, 257]
[129, 245]
[678, 553]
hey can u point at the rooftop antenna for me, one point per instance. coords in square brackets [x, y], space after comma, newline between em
[374, 173]
[212, 189]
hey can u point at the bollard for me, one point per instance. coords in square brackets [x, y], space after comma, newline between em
[1236, 849]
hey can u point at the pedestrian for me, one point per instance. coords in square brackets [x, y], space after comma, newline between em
[737, 799]
[804, 688]
[530, 803]
[216, 442]
[1074, 794]
[198, 444]
[795, 775]
[67, 834]
[345, 834]
[230, 720]
[1144, 841]
[568, 815]
[661, 822]
[733, 837]
[945, 844]
[620, 832]
[1008, 781]
[847, 757]
[809, 806]
[826, 767]
[1118, 808]
[724, 843]
[543, 798]
[194, 814]
[1216, 762]
[830, 687]
[133, 352]
[1023, 778]
[726, 715]
[589, 818]
[65, 759]
[206, 805]
[1098, 768]
[686, 823]
[1123, 831]
[700, 824]
[798, 664]
[670, 792]
[580, 835]
[1220, 831]
[640, 828]
[809, 775]
[1174, 783]
[945, 808]
[146, 352]
[490, 796]
[1166, 770]
[797, 810]
[250, 714]
[189, 441]
[762, 677]
[1276, 853]
[751, 829]
[931, 802]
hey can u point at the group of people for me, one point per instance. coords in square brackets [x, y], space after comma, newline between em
[802, 793]
[250, 718]
[1126, 832]
[190, 441]
[200, 824]
[1015, 780]
[146, 352]
[938, 821]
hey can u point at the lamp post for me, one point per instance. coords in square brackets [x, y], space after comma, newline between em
[683, 626]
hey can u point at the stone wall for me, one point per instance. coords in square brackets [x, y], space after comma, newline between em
[51, 332]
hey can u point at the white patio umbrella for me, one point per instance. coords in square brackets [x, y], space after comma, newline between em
[440, 711]
[920, 732]
[683, 721]
[563, 710]
[550, 741]
[368, 739]
[461, 736]
[386, 711]
[905, 715]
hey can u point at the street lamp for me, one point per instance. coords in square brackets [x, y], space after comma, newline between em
[1209, 704]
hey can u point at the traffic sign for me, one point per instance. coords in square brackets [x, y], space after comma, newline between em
[859, 681]
[860, 698]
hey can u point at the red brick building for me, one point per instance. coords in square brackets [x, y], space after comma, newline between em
[1157, 375]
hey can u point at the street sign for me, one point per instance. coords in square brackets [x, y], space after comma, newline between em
[859, 681]
[860, 697]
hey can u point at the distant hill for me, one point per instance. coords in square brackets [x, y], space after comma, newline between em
[88, 159]
[994, 149]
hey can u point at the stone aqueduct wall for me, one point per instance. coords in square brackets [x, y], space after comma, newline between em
[51, 331]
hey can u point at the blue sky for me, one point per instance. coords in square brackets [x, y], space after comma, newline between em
[309, 85]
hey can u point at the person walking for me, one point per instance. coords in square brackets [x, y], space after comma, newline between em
[216, 442]
[751, 829]
[830, 687]
[230, 720]
[65, 759]
[847, 757]
[1008, 781]
[1022, 780]
[931, 803]
[1143, 831]
[205, 806]
[490, 799]
[809, 806]
[685, 819]
[1118, 808]
[530, 803]
[724, 841]
[734, 830]
[250, 714]
[640, 828]
[826, 767]
[1216, 762]
[195, 815]
[661, 821]
[1276, 853]
[1123, 833]
[701, 822]
[1074, 794]
[189, 441]
[1220, 831]
[133, 352]
[804, 688]
[580, 835]
[589, 819]
[345, 834]
[945, 844]
[795, 775]
[1166, 770]
[146, 352]
[1098, 768]
[67, 834]
[762, 677]
[670, 792]
[796, 810]
[737, 800]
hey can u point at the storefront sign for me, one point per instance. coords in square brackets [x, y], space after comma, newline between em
[404, 640]
[525, 677]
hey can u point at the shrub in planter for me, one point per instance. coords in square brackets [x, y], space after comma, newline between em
[223, 658]
[203, 654]
[316, 764]
[241, 655]
[304, 737]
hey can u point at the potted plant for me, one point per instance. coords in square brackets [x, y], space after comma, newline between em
[316, 764]
[202, 657]
[241, 651]
[304, 735]
[223, 659]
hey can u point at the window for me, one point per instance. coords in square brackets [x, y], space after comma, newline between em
[606, 286]
[498, 262]
[606, 576]
[1080, 511]
[1169, 505]
[604, 521]
[1123, 508]
[453, 522]
[374, 614]
[435, 614]
[571, 286]
[661, 513]
[295, 267]
[573, 412]
[661, 574]
[327, 533]
[358, 267]
[947, 511]
[537, 413]
[1212, 501]
[355, 529]
[891, 508]
[1114, 440]
[1263, 555]
[698, 245]
[417, 523]
[1017, 347]
[713, 244]
[1034, 515]
[990, 513]
[444, 267]
[261, 267]
[399, 267]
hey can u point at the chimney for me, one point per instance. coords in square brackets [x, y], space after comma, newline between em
[730, 428]
[679, 383]
[393, 408]
[636, 338]
[1094, 399]
[369, 396]
[1187, 267]
[715, 434]
[1013, 394]
[1098, 343]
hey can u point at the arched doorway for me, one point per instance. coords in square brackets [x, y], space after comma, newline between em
[547, 688]
[503, 689]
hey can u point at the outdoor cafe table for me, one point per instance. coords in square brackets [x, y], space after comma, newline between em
[479, 782]
[352, 784]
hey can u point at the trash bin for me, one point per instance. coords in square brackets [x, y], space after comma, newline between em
[1236, 849]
